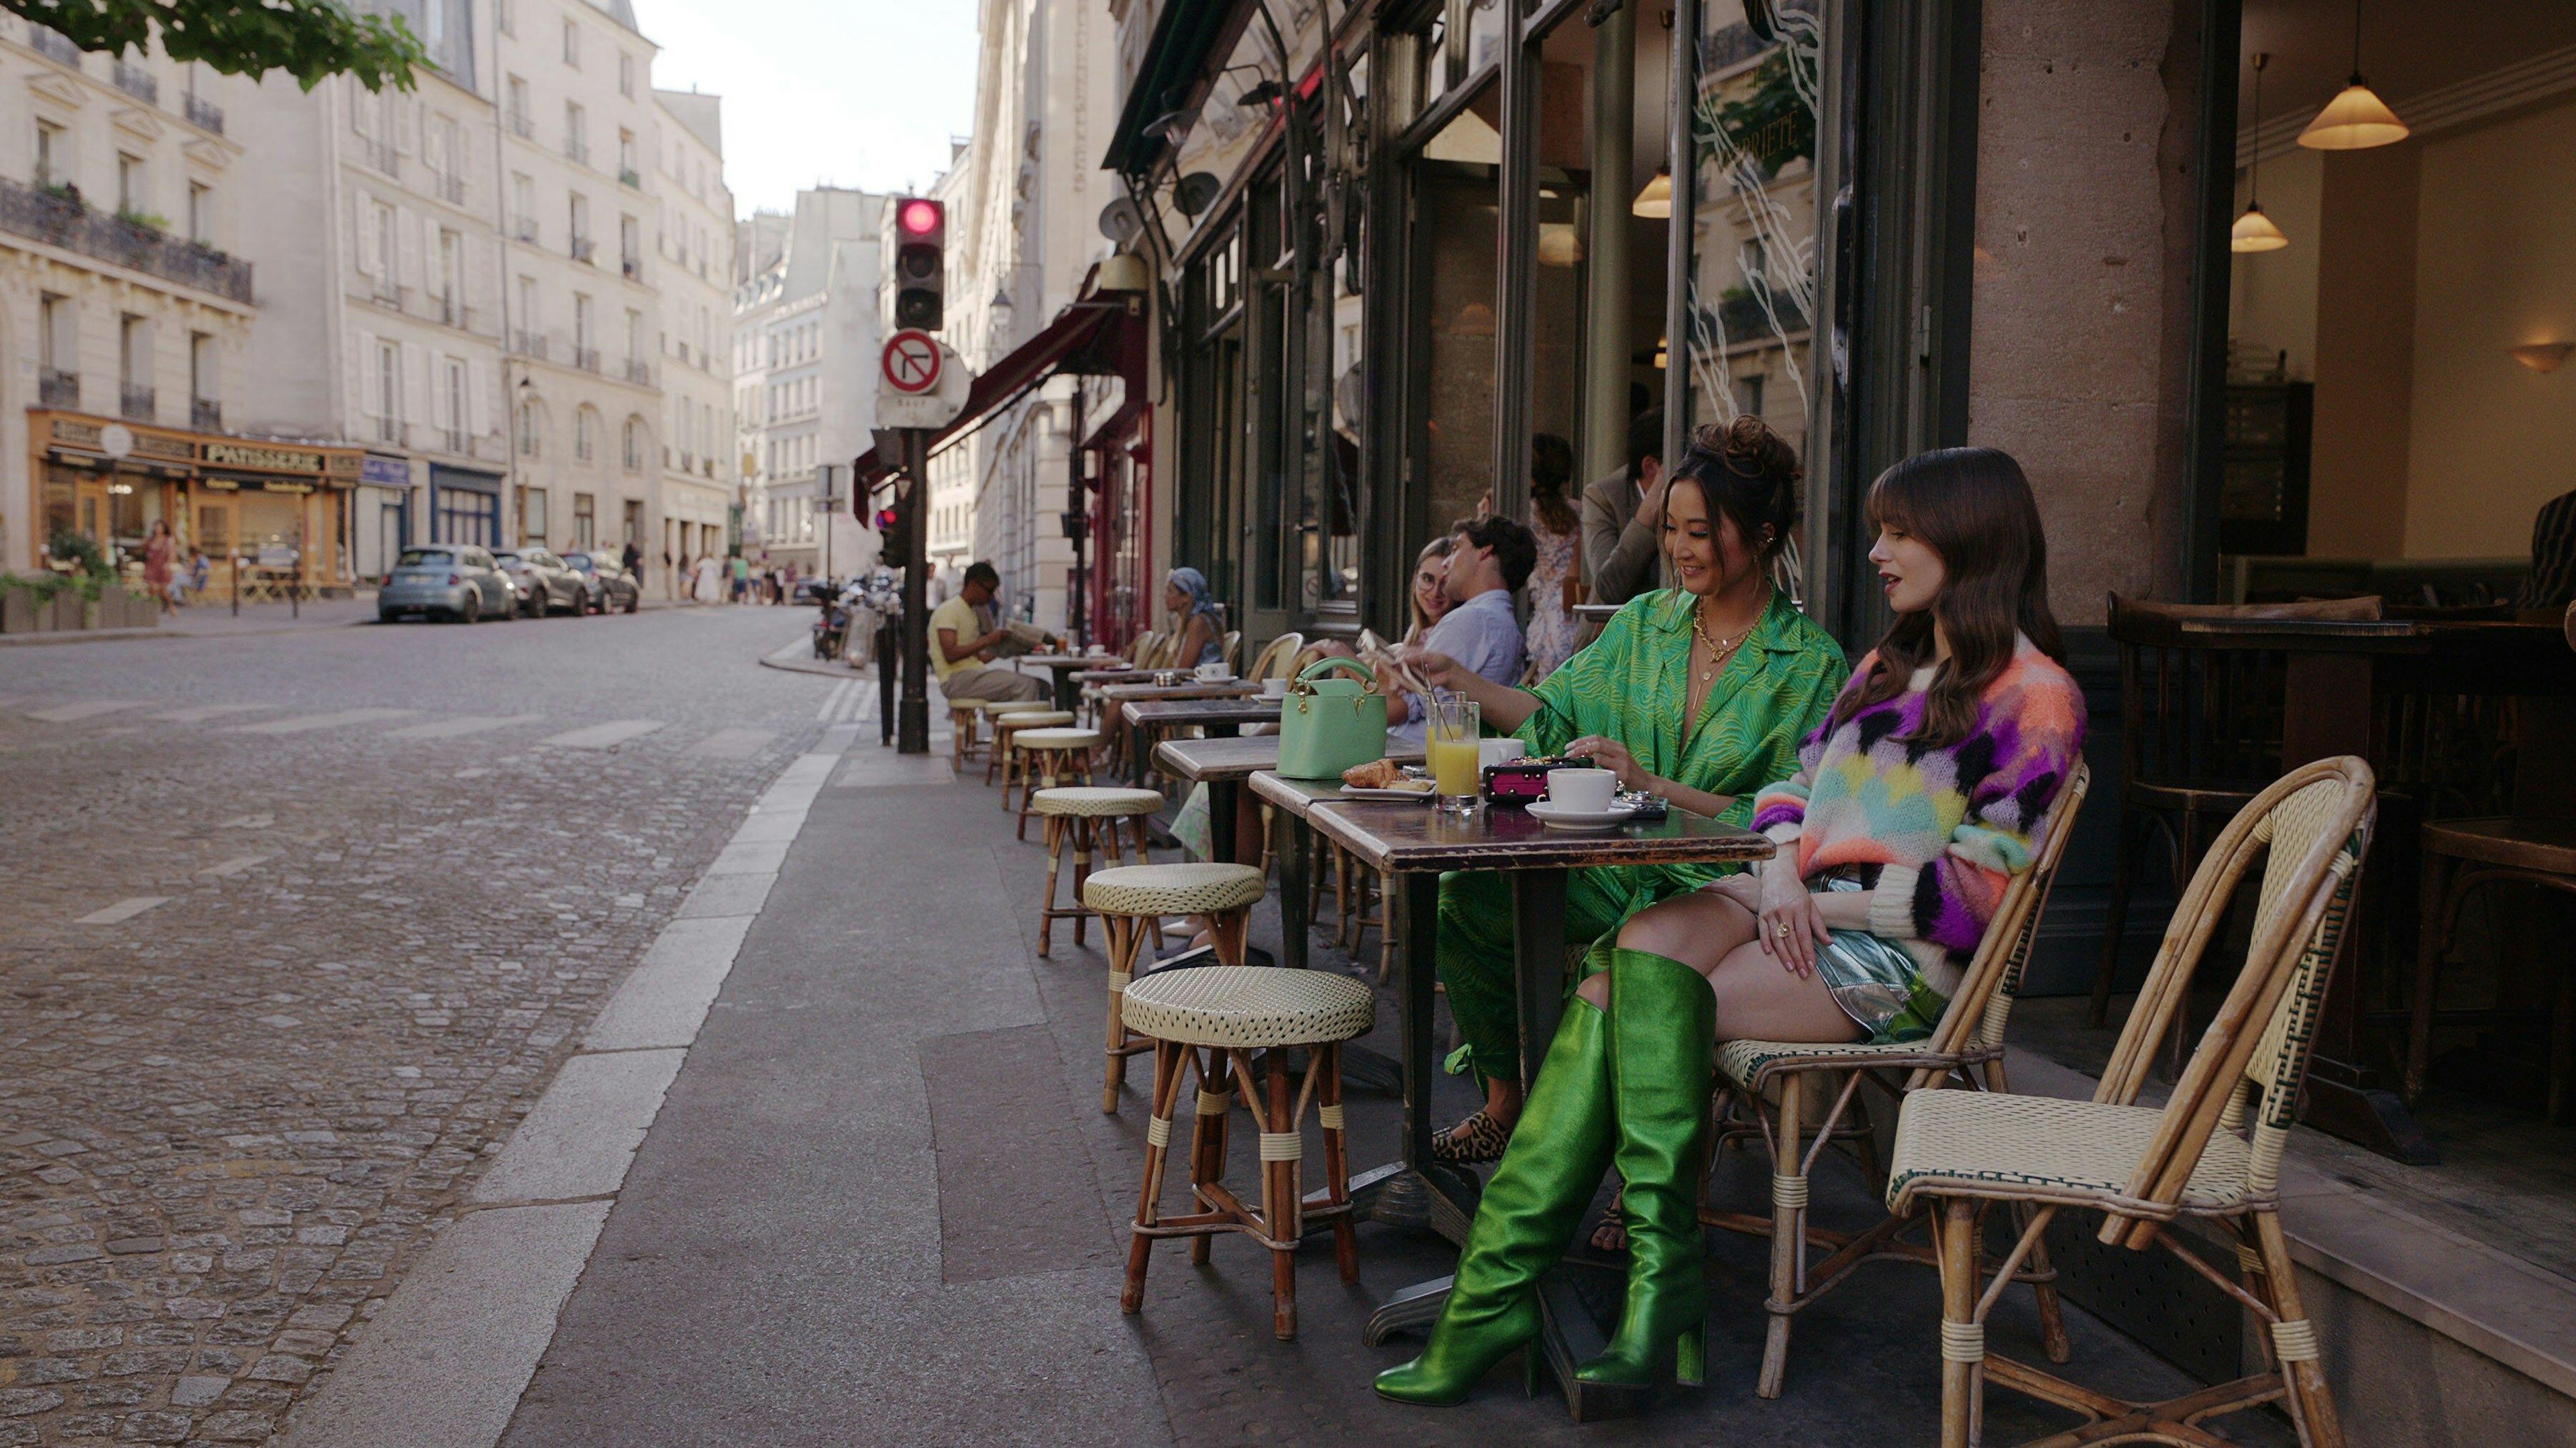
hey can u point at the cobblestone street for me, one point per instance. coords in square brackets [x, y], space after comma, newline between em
[298, 926]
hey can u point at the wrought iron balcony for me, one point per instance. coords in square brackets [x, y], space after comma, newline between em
[142, 404]
[627, 176]
[457, 442]
[389, 429]
[451, 189]
[62, 219]
[529, 344]
[205, 414]
[525, 229]
[206, 115]
[584, 249]
[633, 266]
[58, 388]
[388, 293]
[639, 371]
[576, 149]
[445, 309]
[139, 83]
[382, 156]
[523, 127]
[586, 358]
[54, 45]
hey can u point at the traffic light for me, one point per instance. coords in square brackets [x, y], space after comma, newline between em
[893, 549]
[920, 263]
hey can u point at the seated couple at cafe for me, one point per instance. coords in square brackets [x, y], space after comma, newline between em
[1903, 795]
[966, 642]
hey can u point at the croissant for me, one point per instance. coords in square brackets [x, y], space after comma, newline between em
[1377, 774]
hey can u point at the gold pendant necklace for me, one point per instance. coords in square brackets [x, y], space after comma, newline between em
[1719, 650]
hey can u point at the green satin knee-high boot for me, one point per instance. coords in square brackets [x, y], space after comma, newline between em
[1663, 1023]
[1546, 1179]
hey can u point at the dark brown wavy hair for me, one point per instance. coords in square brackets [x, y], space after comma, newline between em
[1749, 473]
[1973, 506]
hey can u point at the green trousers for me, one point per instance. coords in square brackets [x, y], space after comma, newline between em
[1475, 951]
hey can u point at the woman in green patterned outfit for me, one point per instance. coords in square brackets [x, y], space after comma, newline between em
[1699, 693]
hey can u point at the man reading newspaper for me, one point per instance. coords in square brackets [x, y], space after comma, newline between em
[965, 641]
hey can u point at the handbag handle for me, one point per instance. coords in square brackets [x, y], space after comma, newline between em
[1323, 668]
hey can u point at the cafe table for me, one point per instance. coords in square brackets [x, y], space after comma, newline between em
[1412, 844]
[2340, 678]
[1114, 699]
[1149, 719]
[1067, 669]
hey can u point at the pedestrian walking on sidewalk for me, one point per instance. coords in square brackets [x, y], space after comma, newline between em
[631, 558]
[741, 577]
[159, 552]
[710, 584]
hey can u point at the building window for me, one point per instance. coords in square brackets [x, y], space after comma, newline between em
[532, 517]
[133, 196]
[458, 409]
[585, 520]
[583, 423]
[527, 429]
[523, 208]
[388, 392]
[201, 367]
[451, 277]
[53, 154]
[634, 445]
[522, 119]
[579, 209]
[201, 207]
[385, 247]
[576, 133]
[626, 75]
[572, 44]
[626, 157]
[55, 341]
[508, 19]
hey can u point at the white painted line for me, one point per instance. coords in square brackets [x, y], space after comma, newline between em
[604, 736]
[578, 1139]
[122, 910]
[85, 709]
[200, 713]
[734, 743]
[750, 858]
[307, 723]
[665, 1001]
[832, 702]
[457, 728]
[443, 1364]
[235, 866]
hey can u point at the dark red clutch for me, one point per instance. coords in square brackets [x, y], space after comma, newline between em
[1512, 785]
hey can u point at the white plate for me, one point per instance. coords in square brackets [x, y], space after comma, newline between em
[1353, 791]
[1558, 817]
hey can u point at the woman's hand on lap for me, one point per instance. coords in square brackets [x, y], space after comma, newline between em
[1791, 928]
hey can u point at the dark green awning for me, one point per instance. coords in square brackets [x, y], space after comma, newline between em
[1175, 60]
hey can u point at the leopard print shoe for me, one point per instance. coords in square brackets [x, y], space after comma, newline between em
[1478, 1138]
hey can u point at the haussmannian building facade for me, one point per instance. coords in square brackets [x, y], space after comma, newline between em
[807, 333]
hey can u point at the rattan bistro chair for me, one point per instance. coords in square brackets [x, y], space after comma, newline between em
[1967, 1045]
[1960, 1152]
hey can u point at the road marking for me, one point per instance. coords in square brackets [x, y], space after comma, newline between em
[235, 866]
[733, 743]
[85, 709]
[469, 724]
[832, 702]
[604, 736]
[306, 723]
[200, 713]
[122, 910]
[248, 822]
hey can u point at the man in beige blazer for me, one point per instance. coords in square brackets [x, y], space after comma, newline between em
[1623, 519]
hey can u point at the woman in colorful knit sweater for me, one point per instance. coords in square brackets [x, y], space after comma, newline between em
[1913, 805]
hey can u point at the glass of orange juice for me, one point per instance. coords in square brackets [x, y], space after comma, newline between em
[1450, 742]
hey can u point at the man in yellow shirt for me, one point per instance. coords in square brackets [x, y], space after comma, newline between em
[964, 641]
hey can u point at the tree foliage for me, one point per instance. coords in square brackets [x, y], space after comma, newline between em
[308, 39]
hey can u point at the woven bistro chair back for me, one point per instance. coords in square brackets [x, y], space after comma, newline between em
[1277, 658]
[1229, 647]
[2312, 827]
[1144, 647]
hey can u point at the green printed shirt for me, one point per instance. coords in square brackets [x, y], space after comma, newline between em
[1632, 684]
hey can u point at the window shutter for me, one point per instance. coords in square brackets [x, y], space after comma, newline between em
[416, 389]
[478, 397]
[362, 222]
[407, 242]
[362, 375]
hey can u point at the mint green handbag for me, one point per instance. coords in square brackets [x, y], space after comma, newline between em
[1328, 724]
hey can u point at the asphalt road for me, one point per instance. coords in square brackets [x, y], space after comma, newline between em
[298, 927]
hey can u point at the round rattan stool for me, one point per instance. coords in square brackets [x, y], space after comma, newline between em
[1084, 820]
[1132, 902]
[967, 716]
[1210, 1020]
[1045, 758]
[1005, 724]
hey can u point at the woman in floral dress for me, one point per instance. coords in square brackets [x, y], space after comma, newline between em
[1555, 585]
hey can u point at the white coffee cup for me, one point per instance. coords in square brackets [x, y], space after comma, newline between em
[1585, 790]
[1490, 752]
[1216, 673]
[1274, 688]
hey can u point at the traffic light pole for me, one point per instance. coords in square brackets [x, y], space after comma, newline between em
[912, 719]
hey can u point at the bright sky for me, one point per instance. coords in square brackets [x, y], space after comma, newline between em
[858, 93]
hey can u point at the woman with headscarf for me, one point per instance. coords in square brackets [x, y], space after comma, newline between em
[1195, 620]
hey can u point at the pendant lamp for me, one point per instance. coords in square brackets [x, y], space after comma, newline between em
[1656, 200]
[2356, 119]
[2254, 231]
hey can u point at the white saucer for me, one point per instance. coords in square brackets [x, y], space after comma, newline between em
[1558, 817]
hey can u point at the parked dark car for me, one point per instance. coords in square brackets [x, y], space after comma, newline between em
[610, 586]
[542, 582]
[456, 580]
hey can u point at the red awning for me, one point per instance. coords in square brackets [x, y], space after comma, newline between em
[1097, 336]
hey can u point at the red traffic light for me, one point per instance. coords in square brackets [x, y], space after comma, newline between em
[919, 217]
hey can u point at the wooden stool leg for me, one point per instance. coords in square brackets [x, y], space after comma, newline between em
[1788, 1240]
[1085, 860]
[1054, 836]
[1280, 1199]
[1337, 1158]
[1158, 1138]
[993, 759]
[1955, 1230]
[1208, 1142]
[1226, 932]
[1123, 937]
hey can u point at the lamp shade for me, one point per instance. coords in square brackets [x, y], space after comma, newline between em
[2255, 232]
[2355, 120]
[2543, 356]
[1657, 199]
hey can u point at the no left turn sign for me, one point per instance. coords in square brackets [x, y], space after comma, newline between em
[911, 362]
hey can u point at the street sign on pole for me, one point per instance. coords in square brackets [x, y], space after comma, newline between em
[911, 361]
[925, 386]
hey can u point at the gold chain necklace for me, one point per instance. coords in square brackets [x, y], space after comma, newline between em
[1720, 650]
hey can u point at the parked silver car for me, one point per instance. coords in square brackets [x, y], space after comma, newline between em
[542, 582]
[456, 580]
[611, 586]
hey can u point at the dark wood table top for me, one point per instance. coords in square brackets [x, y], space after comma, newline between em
[1060, 662]
[1120, 675]
[1130, 693]
[2516, 842]
[1201, 760]
[1394, 836]
[1171, 713]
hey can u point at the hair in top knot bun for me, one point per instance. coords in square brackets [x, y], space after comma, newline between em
[1748, 472]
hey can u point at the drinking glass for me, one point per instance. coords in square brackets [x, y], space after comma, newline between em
[1450, 743]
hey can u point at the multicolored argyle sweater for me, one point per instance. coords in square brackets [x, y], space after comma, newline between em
[1946, 829]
